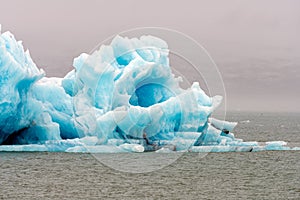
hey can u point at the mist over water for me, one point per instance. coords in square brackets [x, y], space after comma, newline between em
[264, 126]
[255, 43]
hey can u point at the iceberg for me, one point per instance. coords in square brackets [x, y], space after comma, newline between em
[121, 98]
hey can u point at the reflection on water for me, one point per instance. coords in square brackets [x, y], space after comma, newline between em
[137, 162]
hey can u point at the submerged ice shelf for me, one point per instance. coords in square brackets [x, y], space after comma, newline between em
[122, 98]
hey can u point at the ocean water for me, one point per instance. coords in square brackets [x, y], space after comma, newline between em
[247, 175]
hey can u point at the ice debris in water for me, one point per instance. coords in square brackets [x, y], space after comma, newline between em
[122, 98]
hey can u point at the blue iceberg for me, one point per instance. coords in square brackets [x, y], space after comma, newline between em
[122, 98]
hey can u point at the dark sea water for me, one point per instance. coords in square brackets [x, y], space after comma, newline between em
[247, 175]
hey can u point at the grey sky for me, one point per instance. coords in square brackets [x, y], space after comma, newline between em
[255, 43]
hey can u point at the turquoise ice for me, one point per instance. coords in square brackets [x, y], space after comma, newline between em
[122, 98]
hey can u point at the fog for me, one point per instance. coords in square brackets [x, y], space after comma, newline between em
[255, 43]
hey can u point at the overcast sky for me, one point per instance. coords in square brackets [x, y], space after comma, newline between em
[255, 43]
